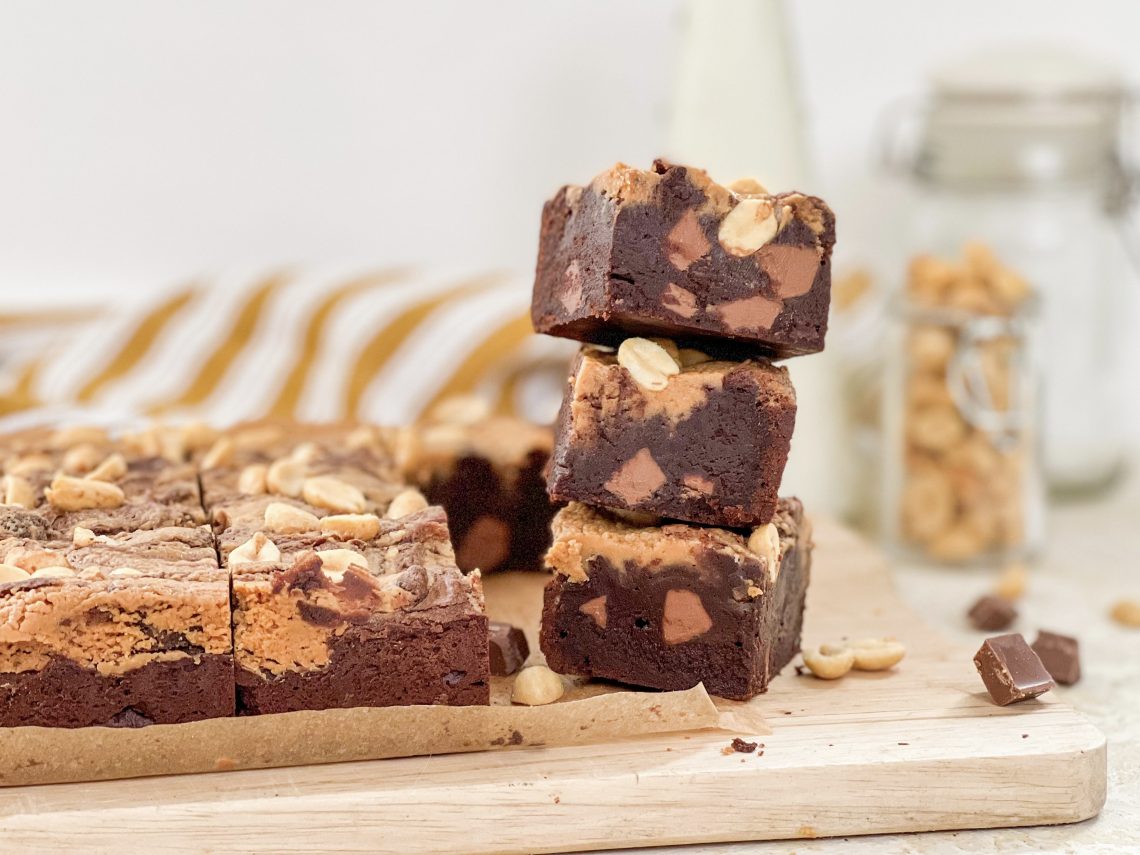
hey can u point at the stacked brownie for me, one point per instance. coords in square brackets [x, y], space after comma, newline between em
[675, 561]
[324, 581]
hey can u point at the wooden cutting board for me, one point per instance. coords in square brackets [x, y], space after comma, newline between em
[917, 749]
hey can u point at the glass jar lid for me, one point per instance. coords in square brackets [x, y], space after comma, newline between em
[1011, 118]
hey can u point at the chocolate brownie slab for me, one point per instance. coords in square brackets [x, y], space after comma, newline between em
[668, 607]
[487, 473]
[670, 252]
[706, 443]
[127, 630]
[323, 629]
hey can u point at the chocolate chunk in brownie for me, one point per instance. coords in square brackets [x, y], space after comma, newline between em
[508, 646]
[707, 444]
[671, 606]
[669, 252]
[487, 473]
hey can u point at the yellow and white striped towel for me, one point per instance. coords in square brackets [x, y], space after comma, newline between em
[381, 345]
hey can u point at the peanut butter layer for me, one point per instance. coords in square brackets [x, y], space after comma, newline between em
[583, 534]
[112, 624]
[289, 615]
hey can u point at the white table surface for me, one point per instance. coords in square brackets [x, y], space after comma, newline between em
[1092, 559]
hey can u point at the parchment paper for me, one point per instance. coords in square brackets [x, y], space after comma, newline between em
[589, 712]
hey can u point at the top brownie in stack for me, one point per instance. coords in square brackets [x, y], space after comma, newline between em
[669, 252]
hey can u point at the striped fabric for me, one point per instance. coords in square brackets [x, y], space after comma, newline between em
[380, 345]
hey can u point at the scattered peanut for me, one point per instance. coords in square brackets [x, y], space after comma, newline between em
[30, 463]
[648, 363]
[113, 467]
[333, 494]
[54, 572]
[877, 654]
[765, 543]
[285, 477]
[351, 526]
[257, 548]
[748, 226]
[219, 454]
[253, 480]
[335, 561]
[306, 452]
[748, 187]
[82, 537]
[11, 573]
[78, 494]
[829, 661]
[536, 686]
[1012, 582]
[198, 435]
[19, 492]
[460, 410]
[1126, 612]
[287, 519]
[69, 436]
[689, 356]
[82, 458]
[408, 502]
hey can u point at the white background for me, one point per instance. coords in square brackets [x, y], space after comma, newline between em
[146, 141]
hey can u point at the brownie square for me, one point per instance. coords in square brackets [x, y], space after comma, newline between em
[123, 630]
[321, 622]
[669, 252]
[488, 474]
[708, 446]
[668, 607]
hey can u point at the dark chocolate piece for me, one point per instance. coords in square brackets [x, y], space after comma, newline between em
[709, 447]
[670, 252]
[1061, 656]
[740, 746]
[992, 613]
[1011, 670]
[671, 606]
[509, 648]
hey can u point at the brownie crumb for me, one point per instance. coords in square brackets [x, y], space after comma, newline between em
[743, 747]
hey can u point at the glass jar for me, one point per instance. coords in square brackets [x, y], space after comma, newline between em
[963, 482]
[1022, 150]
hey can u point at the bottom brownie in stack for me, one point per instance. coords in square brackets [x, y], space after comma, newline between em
[673, 605]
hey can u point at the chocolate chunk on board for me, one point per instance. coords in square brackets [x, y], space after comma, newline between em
[670, 252]
[1011, 670]
[671, 606]
[508, 648]
[709, 447]
[992, 613]
[1061, 656]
